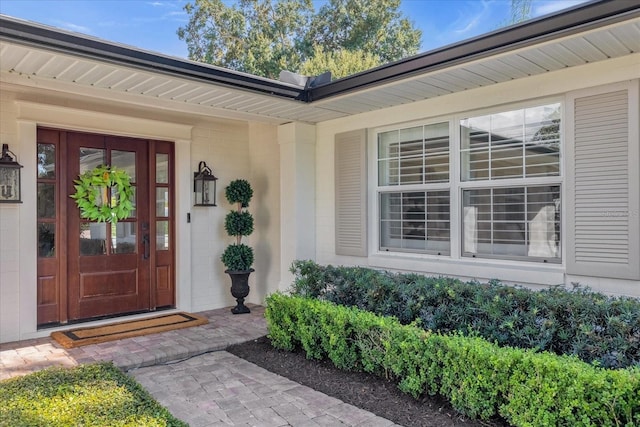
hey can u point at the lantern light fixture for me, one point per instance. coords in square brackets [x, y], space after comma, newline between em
[204, 186]
[9, 177]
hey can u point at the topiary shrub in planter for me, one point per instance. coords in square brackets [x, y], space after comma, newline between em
[238, 257]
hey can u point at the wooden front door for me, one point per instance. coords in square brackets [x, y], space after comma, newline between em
[108, 269]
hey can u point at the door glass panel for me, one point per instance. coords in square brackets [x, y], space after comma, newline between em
[162, 202]
[46, 200]
[133, 212]
[114, 197]
[162, 235]
[46, 161]
[46, 239]
[93, 238]
[90, 158]
[125, 160]
[123, 237]
[162, 168]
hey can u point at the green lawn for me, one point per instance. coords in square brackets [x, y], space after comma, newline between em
[88, 395]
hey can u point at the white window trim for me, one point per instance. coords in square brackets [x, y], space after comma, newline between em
[376, 190]
[465, 265]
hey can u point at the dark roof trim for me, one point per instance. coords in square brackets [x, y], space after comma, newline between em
[36, 35]
[580, 18]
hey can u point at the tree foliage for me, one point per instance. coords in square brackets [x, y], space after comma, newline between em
[375, 26]
[263, 37]
[341, 62]
[520, 11]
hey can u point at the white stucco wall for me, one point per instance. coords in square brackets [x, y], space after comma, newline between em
[553, 85]
[225, 149]
[233, 149]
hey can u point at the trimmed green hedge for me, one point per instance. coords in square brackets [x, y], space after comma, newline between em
[589, 325]
[480, 379]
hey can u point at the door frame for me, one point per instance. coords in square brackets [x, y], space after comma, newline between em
[153, 146]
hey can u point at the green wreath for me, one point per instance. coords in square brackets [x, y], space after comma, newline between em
[92, 194]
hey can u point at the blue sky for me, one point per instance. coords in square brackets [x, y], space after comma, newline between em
[152, 25]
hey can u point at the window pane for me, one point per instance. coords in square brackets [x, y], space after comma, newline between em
[46, 161]
[162, 235]
[415, 155]
[477, 221]
[543, 216]
[506, 162]
[475, 138]
[162, 202]
[388, 158]
[90, 158]
[476, 133]
[512, 222]
[477, 165]
[438, 221]
[388, 172]
[509, 221]
[390, 224]
[542, 137]
[46, 239]
[93, 238]
[436, 149]
[507, 129]
[46, 201]
[125, 160]
[512, 144]
[123, 237]
[388, 144]
[411, 155]
[162, 168]
[415, 221]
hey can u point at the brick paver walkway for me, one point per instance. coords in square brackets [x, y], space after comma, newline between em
[189, 372]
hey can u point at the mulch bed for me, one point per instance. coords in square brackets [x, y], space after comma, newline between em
[363, 390]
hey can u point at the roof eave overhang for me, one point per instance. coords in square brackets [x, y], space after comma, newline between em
[579, 19]
[40, 36]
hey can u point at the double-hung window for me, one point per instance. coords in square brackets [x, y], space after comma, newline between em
[507, 195]
[510, 181]
[413, 183]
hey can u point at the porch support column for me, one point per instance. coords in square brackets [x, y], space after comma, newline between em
[297, 196]
[184, 193]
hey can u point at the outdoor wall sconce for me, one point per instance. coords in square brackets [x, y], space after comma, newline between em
[9, 177]
[204, 186]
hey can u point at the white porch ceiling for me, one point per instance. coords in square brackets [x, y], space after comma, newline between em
[30, 66]
[22, 64]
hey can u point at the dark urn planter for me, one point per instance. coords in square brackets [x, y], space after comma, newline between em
[240, 289]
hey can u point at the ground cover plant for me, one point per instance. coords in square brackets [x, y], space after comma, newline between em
[592, 326]
[87, 395]
[480, 379]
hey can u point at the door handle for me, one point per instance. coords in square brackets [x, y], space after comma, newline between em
[145, 242]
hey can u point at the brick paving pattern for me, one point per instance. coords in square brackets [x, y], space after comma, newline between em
[189, 372]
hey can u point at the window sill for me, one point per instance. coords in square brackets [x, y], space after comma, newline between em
[481, 269]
